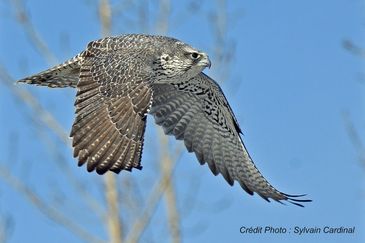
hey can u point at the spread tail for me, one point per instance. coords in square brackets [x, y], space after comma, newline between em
[60, 76]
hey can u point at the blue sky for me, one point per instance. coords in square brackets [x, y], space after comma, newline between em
[289, 83]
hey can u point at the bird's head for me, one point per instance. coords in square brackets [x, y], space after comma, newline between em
[181, 61]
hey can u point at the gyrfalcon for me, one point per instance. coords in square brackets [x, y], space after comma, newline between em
[119, 80]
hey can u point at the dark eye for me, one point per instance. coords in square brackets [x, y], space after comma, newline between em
[194, 55]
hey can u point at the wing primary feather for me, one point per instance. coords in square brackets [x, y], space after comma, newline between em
[106, 159]
[197, 111]
[102, 149]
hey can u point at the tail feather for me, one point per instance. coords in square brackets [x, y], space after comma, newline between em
[60, 76]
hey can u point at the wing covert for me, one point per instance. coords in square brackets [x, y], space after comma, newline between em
[113, 97]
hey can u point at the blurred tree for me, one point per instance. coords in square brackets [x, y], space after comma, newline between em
[127, 207]
[353, 133]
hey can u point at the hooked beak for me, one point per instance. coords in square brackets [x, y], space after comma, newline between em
[206, 61]
[209, 63]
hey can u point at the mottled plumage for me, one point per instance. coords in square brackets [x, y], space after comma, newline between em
[121, 79]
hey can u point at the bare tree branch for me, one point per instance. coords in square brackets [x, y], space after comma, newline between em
[162, 23]
[32, 34]
[354, 49]
[169, 195]
[114, 225]
[354, 137]
[164, 187]
[6, 226]
[154, 198]
[44, 207]
[113, 220]
[105, 16]
[45, 117]
[166, 162]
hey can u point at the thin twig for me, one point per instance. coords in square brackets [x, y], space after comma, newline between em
[223, 47]
[45, 117]
[113, 220]
[42, 114]
[6, 227]
[105, 17]
[153, 200]
[32, 34]
[354, 49]
[173, 217]
[44, 207]
[162, 23]
[354, 137]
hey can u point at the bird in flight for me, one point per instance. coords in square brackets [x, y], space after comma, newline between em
[119, 80]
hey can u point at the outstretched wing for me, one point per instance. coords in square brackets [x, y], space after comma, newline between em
[197, 112]
[113, 97]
